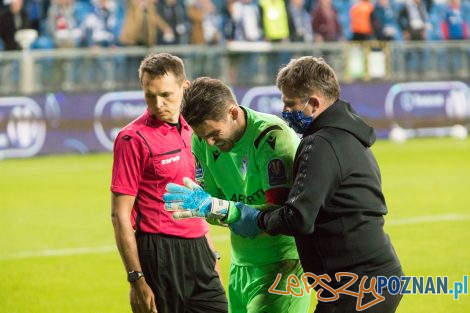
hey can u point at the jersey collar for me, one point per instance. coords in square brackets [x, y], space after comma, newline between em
[162, 126]
[244, 141]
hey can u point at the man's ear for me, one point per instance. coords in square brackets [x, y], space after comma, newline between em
[233, 111]
[314, 102]
[186, 84]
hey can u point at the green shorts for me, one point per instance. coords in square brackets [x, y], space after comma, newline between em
[248, 289]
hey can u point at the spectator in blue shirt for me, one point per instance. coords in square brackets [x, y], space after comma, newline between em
[99, 26]
[383, 21]
[300, 24]
[453, 25]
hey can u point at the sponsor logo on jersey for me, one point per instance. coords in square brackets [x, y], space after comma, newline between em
[199, 175]
[170, 160]
[244, 168]
[250, 199]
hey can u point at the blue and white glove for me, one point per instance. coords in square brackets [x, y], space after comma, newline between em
[247, 225]
[191, 200]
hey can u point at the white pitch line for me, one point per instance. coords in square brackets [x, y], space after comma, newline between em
[428, 219]
[220, 238]
[55, 169]
[77, 251]
[59, 252]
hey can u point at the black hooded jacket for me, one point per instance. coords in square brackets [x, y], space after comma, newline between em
[335, 208]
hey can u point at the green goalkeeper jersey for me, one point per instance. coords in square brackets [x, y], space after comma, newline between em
[261, 160]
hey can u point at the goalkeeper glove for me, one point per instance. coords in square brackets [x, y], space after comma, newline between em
[191, 200]
[247, 225]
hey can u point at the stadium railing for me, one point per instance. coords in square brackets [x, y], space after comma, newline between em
[239, 64]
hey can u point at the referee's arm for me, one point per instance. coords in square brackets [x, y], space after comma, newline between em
[141, 295]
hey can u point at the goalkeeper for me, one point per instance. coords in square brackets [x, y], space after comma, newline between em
[243, 156]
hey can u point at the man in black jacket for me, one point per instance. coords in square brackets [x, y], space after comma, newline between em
[12, 18]
[336, 206]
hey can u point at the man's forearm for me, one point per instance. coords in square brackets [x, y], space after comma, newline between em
[141, 296]
[234, 214]
[124, 234]
[284, 220]
[126, 244]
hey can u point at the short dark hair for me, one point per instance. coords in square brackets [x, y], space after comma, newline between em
[206, 99]
[305, 75]
[160, 64]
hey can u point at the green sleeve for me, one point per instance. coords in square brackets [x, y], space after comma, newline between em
[275, 158]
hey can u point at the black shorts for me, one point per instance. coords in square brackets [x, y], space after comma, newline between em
[181, 274]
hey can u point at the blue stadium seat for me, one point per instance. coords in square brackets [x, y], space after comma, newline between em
[43, 42]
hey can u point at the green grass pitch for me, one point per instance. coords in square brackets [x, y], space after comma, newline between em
[57, 250]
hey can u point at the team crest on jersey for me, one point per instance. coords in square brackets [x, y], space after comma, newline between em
[199, 175]
[244, 167]
[277, 172]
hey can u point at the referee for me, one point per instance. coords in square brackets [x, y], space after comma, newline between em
[170, 264]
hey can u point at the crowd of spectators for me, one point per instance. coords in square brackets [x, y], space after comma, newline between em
[105, 23]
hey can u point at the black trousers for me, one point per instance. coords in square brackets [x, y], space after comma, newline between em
[181, 274]
[347, 303]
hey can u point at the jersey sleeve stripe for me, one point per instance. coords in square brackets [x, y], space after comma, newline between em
[264, 132]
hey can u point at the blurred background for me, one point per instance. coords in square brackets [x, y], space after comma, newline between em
[69, 83]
